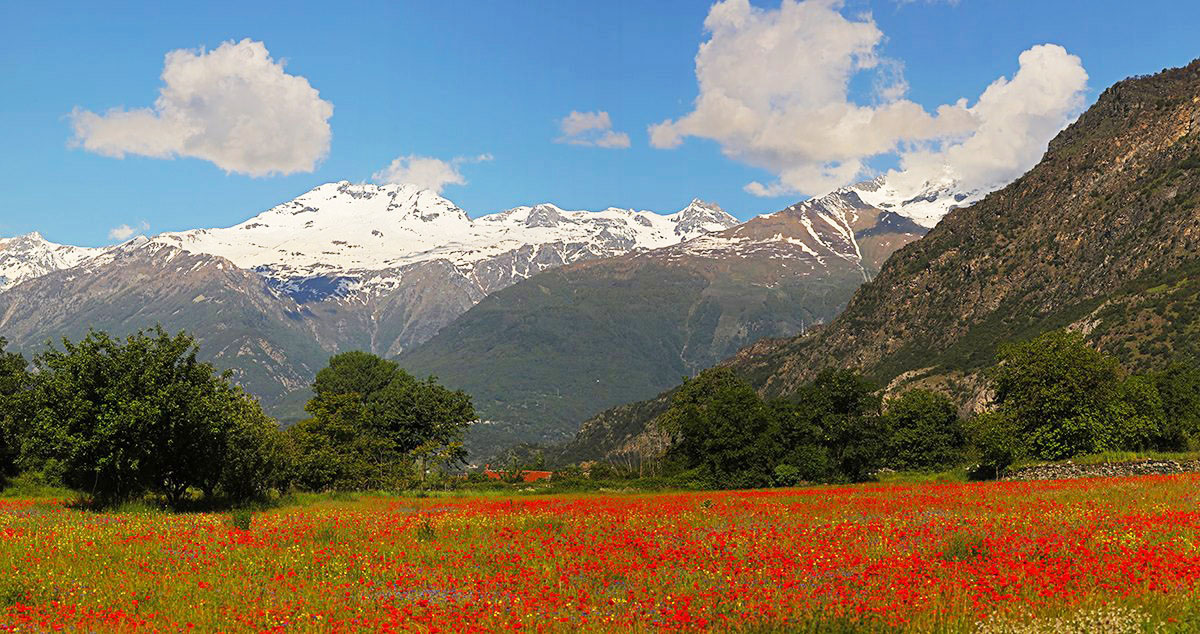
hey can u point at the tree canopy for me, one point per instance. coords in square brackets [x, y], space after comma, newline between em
[833, 429]
[121, 417]
[373, 426]
[1056, 397]
[14, 382]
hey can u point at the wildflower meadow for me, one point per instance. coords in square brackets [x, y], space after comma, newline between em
[1078, 555]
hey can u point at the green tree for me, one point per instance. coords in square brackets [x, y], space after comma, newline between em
[374, 426]
[797, 444]
[846, 407]
[123, 417]
[1178, 388]
[1059, 393]
[14, 409]
[354, 372]
[256, 456]
[926, 432]
[723, 426]
[1136, 419]
[997, 438]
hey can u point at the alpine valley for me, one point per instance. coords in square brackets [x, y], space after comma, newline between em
[1101, 237]
[550, 351]
[616, 304]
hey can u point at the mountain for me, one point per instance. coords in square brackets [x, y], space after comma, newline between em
[1102, 236]
[546, 353]
[344, 266]
[242, 324]
[29, 256]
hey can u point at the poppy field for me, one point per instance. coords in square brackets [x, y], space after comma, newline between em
[1070, 556]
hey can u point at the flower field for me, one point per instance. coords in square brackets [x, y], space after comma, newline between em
[1071, 556]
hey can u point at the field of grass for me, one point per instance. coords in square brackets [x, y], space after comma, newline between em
[1115, 555]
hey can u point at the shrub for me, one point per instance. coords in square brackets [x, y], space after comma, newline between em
[241, 518]
[996, 438]
[786, 475]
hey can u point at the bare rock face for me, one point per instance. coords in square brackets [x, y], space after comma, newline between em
[1112, 210]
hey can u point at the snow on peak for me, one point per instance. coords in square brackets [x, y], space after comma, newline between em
[925, 203]
[345, 227]
[29, 256]
[701, 217]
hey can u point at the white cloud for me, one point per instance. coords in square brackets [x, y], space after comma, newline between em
[1016, 120]
[125, 232]
[775, 93]
[591, 129]
[233, 106]
[427, 172]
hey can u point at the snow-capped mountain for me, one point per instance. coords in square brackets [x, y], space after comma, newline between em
[679, 308]
[30, 256]
[343, 266]
[352, 230]
[926, 203]
[385, 268]
[855, 227]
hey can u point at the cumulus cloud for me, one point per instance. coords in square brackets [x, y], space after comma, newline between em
[233, 106]
[427, 172]
[125, 232]
[591, 129]
[774, 92]
[1015, 121]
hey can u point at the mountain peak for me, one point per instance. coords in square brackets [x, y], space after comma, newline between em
[31, 255]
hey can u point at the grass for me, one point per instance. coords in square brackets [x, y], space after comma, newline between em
[956, 474]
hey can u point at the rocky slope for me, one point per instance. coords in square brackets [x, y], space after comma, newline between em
[1101, 236]
[241, 323]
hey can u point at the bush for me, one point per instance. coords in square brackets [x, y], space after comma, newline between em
[241, 518]
[786, 475]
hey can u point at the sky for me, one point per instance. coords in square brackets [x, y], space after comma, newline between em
[125, 118]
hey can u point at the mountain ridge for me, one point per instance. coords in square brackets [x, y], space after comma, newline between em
[385, 268]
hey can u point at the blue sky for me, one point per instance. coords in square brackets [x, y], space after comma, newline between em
[463, 79]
